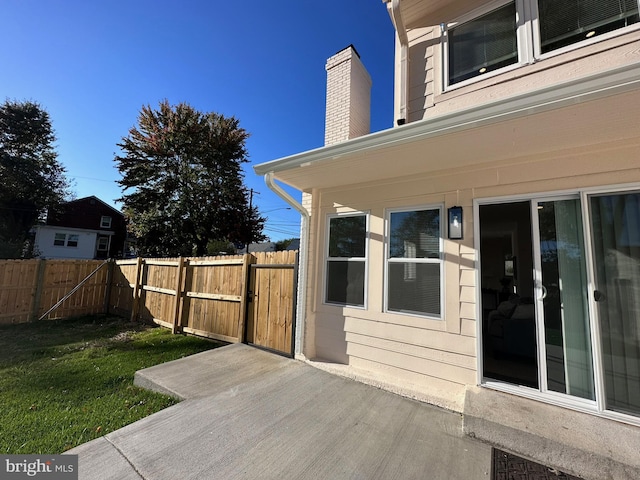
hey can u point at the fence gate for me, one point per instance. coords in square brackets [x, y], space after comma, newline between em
[271, 306]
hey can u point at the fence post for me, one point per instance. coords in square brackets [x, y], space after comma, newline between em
[177, 324]
[107, 293]
[37, 295]
[247, 260]
[135, 306]
[294, 307]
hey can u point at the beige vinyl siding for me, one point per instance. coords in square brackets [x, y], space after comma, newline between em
[314, 246]
[427, 98]
[330, 339]
[412, 335]
[421, 71]
[419, 351]
[417, 364]
[412, 350]
[438, 357]
[432, 390]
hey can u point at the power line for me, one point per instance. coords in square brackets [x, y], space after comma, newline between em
[293, 233]
[92, 178]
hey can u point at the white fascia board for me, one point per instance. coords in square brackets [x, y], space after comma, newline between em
[601, 85]
[61, 229]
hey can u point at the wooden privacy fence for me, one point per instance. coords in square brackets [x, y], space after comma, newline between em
[203, 296]
[30, 288]
[272, 302]
[231, 298]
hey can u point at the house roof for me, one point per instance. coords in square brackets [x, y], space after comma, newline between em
[93, 197]
[594, 110]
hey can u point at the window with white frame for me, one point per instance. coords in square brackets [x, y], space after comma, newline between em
[105, 222]
[483, 44]
[414, 261]
[103, 244]
[564, 23]
[346, 260]
[64, 239]
[504, 34]
[60, 239]
[72, 240]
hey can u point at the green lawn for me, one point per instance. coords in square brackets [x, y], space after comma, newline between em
[63, 383]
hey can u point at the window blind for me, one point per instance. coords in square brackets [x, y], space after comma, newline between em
[566, 22]
[483, 44]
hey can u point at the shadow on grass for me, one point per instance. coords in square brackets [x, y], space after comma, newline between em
[28, 340]
[66, 382]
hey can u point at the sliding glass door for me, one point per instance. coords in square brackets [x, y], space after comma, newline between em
[560, 279]
[510, 350]
[561, 300]
[615, 232]
[536, 323]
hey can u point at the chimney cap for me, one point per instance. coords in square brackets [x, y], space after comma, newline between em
[346, 48]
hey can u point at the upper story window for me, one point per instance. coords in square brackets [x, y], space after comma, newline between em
[504, 34]
[346, 260]
[415, 262]
[105, 222]
[564, 23]
[483, 44]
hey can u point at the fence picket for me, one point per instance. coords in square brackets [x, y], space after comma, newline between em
[178, 300]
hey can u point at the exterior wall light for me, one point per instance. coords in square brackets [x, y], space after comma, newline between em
[455, 223]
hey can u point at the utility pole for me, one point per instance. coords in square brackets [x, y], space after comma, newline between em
[250, 209]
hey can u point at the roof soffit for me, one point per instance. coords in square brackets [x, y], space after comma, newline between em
[589, 111]
[421, 13]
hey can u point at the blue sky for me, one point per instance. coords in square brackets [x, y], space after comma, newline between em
[92, 65]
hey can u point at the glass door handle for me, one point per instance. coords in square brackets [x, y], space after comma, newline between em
[544, 292]
[599, 296]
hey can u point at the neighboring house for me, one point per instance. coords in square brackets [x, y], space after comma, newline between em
[484, 254]
[294, 245]
[83, 228]
[259, 247]
[270, 246]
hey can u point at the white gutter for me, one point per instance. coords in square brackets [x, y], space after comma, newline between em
[398, 23]
[301, 303]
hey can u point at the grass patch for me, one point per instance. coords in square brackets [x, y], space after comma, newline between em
[63, 383]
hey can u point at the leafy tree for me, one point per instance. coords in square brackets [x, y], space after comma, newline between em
[283, 244]
[420, 228]
[217, 247]
[184, 170]
[31, 178]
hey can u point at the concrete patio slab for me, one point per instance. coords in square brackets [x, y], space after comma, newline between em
[251, 414]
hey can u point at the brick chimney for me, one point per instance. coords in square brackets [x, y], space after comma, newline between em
[348, 97]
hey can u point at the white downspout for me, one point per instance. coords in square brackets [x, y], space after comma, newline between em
[301, 303]
[398, 23]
